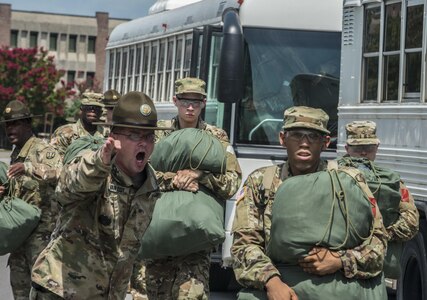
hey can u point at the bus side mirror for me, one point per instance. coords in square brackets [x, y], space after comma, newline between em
[230, 73]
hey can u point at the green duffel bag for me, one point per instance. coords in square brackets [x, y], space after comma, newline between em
[18, 219]
[82, 143]
[383, 183]
[332, 209]
[385, 186]
[183, 223]
[333, 286]
[329, 209]
[189, 148]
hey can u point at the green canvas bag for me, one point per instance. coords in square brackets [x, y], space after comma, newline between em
[332, 209]
[18, 218]
[183, 223]
[385, 186]
[189, 148]
[383, 183]
[82, 143]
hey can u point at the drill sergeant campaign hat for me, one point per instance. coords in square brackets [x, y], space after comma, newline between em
[306, 117]
[110, 98]
[16, 110]
[134, 110]
[90, 98]
[190, 85]
[361, 133]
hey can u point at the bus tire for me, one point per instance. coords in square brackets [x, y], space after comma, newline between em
[412, 283]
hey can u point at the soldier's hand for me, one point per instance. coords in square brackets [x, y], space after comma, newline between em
[109, 149]
[187, 180]
[278, 290]
[321, 261]
[16, 169]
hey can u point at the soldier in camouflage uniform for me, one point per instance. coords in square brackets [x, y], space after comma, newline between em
[362, 141]
[32, 177]
[304, 135]
[91, 110]
[188, 277]
[109, 100]
[107, 198]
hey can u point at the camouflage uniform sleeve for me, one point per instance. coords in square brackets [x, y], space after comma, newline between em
[252, 266]
[82, 177]
[164, 180]
[61, 139]
[406, 226]
[225, 185]
[47, 165]
[366, 260]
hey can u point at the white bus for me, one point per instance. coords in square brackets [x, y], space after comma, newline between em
[257, 57]
[383, 79]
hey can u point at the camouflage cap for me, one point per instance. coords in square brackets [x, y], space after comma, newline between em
[134, 110]
[16, 110]
[89, 98]
[361, 133]
[190, 85]
[110, 98]
[306, 117]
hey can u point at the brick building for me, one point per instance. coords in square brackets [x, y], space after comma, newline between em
[77, 42]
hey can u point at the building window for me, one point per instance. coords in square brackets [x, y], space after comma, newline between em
[53, 42]
[14, 38]
[90, 78]
[91, 44]
[71, 76]
[80, 74]
[72, 43]
[33, 39]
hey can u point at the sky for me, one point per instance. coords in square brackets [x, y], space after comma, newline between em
[126, 9]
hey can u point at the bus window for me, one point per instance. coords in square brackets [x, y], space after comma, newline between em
[169, 68]
[130, 75]
[123, 86]
[160, 70]
[286, 68]
[137, 83]
[153, 64]
[145, 68]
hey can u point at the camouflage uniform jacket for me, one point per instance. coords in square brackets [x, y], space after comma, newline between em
[42, 164]
[66, 134]
[251, 228]
[223, 186]
[98, 232]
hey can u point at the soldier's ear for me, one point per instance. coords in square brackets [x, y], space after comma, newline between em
[326, 142]
[282, 138]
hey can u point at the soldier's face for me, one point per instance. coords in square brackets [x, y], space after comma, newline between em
[189, 107]
[136, 148]
[91, 113]
[366, 151]
[18, 131]
[303, 147]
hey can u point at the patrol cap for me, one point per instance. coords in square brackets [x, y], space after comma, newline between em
[361, 133]
[306, 117]
[16, 110]
[190, 85]
[134, 110]
[90, 98]
[110, 98]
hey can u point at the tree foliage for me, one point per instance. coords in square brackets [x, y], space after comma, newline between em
[30, 76]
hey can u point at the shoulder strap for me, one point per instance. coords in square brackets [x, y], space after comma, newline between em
[268, 179]
[332, 164]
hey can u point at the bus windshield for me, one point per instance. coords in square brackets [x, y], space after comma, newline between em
[284, 68]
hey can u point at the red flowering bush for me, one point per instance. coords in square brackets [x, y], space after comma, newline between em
[30, 76]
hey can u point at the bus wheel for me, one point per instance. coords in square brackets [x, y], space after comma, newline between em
[412, 283]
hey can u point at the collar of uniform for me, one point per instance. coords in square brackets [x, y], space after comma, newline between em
[200, 124]
[150, 183]
[286, 171]
[125, 181]
[82, 131]
[24, 151]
